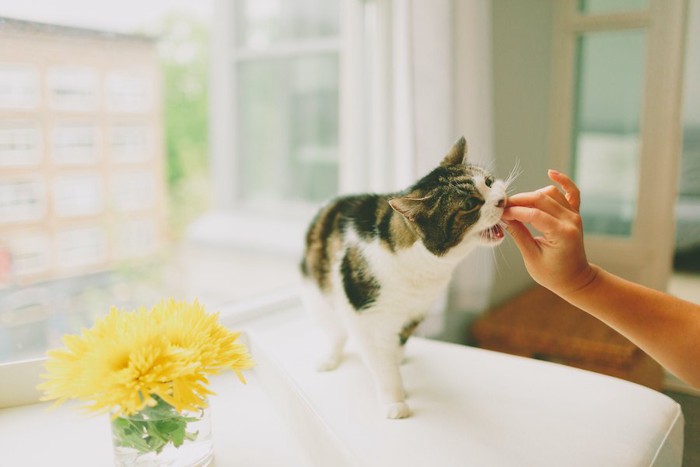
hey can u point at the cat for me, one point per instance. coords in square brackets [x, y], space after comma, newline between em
[374, 263]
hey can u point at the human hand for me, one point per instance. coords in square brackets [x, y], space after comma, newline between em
[556, 259]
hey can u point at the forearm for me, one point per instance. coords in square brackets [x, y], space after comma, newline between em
[665, 327]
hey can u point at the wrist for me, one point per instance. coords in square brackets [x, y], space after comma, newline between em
[585, 281]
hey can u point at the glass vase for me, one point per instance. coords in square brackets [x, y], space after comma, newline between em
[161, 436]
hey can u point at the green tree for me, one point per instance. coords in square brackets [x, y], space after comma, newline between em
[184, 55]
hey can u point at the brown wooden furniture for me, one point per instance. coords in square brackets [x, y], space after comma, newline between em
[539, 324]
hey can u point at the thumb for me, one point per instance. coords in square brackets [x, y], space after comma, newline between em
[522, 237]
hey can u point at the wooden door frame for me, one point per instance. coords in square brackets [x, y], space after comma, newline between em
[645, 256]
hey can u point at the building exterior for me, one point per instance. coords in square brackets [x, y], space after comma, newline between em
[81, 154]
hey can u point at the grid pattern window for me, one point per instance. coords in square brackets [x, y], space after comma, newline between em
[80, 247]
[130, 143]
[129, 91]
[20, 145]
[76, 144]
[19, 87]
[73, 88]
[133, 190]
[287, 74]
[30, 252]
[21, 200]
[78, 195]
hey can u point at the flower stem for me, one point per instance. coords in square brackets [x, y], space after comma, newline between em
[153, 428]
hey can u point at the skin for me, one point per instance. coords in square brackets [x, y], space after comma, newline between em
[665, 327]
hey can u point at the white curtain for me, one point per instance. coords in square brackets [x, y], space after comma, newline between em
[442, 90]
[424, 71]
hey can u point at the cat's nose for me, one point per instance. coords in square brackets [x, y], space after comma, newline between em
[501, 203]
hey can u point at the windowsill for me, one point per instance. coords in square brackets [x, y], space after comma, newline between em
[244, 422]
[244, 427]
[269, 234]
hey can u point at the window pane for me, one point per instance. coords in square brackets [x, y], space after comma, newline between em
[73, 88]
[610, 78]
[611, 6]
[288, 129]
[19, 86]
[75, 144]
[260, 23]
[20, 144]
[84, 196]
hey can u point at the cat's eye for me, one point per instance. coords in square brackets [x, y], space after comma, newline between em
[471, 204]
[489, 181]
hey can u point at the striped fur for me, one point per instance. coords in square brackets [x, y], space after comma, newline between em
[374, 263]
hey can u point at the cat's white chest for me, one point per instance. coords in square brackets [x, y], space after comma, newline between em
[410, 278]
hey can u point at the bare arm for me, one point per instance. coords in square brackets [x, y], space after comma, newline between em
[665, 327]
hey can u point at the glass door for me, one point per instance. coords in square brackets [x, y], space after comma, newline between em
[616, 126]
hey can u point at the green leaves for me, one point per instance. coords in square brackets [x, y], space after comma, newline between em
[152, 429]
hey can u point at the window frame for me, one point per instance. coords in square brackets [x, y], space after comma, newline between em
[368, 131]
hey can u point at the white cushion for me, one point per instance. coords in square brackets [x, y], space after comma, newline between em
[471, 407]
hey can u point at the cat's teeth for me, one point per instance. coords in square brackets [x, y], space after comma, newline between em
[496, 231]
[493, 233]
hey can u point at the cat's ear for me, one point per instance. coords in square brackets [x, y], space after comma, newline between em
[408, 206]
[457, 155]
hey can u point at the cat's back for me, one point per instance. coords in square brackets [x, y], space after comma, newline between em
[359, 218]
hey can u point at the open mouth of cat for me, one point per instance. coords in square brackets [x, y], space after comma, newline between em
[493, 234]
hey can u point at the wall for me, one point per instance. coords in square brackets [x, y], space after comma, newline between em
[521, 81]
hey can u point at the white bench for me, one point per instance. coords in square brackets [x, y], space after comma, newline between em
[472, 407]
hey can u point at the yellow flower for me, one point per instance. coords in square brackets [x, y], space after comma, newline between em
[129, 357]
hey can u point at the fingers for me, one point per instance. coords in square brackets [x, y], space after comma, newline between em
[542, 198]
[548, 199]
[538, 218]
[573, 195]
[554, 193]
[522, 237]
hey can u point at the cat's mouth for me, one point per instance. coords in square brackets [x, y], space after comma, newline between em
[493, 234]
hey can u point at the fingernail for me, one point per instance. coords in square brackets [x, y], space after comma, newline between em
[555, 172]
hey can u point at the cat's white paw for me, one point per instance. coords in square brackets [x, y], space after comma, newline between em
[328, 364]
[397, 410]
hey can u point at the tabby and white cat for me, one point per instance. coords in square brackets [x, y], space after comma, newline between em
[374, 264]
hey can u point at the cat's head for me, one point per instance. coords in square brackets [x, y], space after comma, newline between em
[455, 207]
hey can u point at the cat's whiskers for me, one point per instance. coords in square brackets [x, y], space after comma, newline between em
[515, 172]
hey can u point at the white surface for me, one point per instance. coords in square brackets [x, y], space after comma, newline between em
[247, 432]
[471, 408]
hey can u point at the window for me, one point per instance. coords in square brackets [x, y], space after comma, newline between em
[275, 136]
[82, 176]
[286, 66]
[76, 144]
[19, 86]
[78, 195]
[31, 252]
[20, 144]
[72, 88]
[21, 200]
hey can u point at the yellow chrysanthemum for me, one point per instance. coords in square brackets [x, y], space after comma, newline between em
[128, 357]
